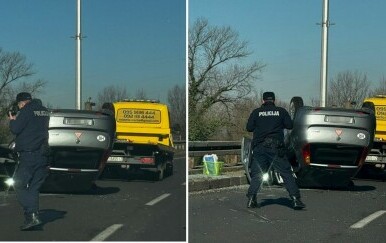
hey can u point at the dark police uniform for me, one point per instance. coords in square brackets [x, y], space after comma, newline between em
[31, 143]
[267, 124]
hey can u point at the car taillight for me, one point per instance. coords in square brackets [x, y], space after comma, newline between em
[147, 160]
[306, 154]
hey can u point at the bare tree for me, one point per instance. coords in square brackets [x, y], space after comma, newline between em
[177, 109]
[13, 68]
[348, 89]
[111, 94]
[234, 124]
[381, 89]
[216, 72]
[141, 94]
[234, 127]
[14, 74]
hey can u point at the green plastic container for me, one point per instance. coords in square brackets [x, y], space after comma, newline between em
[213, 168]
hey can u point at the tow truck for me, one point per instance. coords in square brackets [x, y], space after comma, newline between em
[143, 138]
[376, 159]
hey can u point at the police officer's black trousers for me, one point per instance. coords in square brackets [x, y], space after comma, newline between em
[29, 177]
[263, 159]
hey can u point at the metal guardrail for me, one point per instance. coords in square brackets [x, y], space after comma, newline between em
[200, 148]
[179, 145]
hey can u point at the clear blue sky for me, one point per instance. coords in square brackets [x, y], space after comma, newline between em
[137, 44]
[283, 34]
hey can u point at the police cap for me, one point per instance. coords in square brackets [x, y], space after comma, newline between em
[269, 96]
[23, 96]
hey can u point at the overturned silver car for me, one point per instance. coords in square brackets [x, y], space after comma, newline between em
[326, 147]
[80, 143]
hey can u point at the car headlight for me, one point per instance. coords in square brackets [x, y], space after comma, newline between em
[265, 177]
[9, 182]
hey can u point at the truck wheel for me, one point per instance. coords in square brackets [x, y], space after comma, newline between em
[160, 173]
[295, 104]
[169, 168]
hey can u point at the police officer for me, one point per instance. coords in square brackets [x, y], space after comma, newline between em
[30, 126]
[267, 124]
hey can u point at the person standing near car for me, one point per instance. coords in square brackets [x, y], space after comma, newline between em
[30, 126]
[267, 124]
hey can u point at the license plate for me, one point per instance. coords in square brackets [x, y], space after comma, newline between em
[115, 158]
[371, 158]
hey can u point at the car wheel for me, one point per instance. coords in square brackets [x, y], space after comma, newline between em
[246, 156]
[369, 105]
[248, 175]
[295, 104]
[271, 178]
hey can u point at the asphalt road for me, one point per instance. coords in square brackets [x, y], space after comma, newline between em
[355, 215]
[138, 209]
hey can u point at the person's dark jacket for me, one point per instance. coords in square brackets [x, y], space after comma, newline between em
[30, 126]
[270, 121]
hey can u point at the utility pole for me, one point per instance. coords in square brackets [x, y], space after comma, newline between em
[324, 61]
[78, 72]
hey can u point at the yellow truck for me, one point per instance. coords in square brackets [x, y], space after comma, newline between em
[376, 159]
[143, 138]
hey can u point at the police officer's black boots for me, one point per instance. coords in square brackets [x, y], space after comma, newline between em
[252, 202]
[32, 221]
[297, 203]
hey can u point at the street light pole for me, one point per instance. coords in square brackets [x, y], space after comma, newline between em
[323, 69]
[78, 72]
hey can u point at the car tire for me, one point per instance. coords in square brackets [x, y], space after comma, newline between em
[246, 157]
[295, 104]
[248, 175]
[369, 105]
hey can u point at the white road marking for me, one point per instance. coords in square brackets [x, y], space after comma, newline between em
[152, 202]
[107, 232]
[361, 223]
